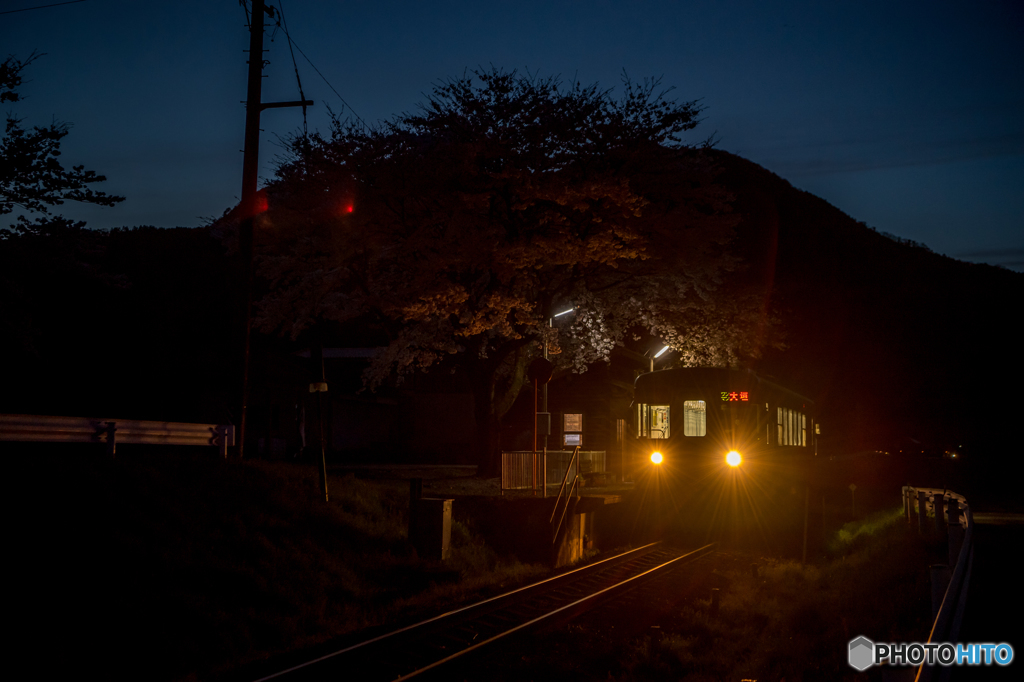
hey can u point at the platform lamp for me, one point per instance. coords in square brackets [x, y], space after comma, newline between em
[658, 355]
[539, 372]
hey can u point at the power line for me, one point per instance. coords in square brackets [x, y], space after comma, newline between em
[302, 96]
[56, 4]
[292, 42]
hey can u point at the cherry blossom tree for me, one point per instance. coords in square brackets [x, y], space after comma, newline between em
[458, 230]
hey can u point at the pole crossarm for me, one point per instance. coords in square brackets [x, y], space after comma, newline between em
[281, 105]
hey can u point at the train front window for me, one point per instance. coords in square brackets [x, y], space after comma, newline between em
[738, 423]
[653, 421]
[695, 418]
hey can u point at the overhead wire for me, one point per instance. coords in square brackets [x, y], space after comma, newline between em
[55, 4]
[292, 43]
[283, 23]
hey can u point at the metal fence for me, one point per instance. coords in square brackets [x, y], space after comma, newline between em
[518, 467]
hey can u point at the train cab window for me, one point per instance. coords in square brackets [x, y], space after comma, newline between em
[653, 421]
[740, 421]
[695, 418]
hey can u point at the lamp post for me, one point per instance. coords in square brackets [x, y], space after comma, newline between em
[544, 395]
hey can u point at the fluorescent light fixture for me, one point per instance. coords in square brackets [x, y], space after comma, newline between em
[658, 354]
[564, 312]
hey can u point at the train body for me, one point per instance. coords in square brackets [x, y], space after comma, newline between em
[696, 418]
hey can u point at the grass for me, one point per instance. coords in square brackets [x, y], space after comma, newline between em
[794, 621]
[857, 534]
[171, 565]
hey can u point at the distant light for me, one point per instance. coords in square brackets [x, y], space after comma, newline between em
[733, 459]
[658, 354]
[564, 312]
[349, 208]
[656, 457]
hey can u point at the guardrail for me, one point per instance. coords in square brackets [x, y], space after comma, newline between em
[958, 524]
[110, 432]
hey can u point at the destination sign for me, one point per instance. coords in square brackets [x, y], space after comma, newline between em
[735, 396]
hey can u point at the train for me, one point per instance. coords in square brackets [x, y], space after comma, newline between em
[698, 419]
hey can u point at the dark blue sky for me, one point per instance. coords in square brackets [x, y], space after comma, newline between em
[908, 116]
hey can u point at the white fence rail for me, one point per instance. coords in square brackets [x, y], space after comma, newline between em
[110, 432]
[943, 512]
[526, 469]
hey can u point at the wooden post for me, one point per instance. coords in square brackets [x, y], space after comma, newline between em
[318, 378]
[250, 177]
[807, 513]
[415, 493]
[544, 463]
[937, 500]
[111, 439]
[250, 172]
[954, 530]
[222, 440]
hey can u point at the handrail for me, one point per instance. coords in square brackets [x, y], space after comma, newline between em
[561, 489]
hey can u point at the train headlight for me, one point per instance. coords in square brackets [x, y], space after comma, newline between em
[656, 457]
[733, 459]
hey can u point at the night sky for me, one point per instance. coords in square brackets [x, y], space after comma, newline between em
[905, 115]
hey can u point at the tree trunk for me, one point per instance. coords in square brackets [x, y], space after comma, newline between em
[493, 397]
[487, 440]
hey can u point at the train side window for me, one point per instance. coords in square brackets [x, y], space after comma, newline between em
[695, 418]
[792, 427]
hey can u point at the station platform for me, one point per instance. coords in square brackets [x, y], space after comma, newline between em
[513, 521]
[457, 480]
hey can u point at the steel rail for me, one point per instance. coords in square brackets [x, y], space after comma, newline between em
[538, 619]
[539, 587]
[448, 614]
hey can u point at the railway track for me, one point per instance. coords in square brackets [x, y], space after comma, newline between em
[426, 646]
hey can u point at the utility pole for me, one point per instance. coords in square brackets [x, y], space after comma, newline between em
[250, 175]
